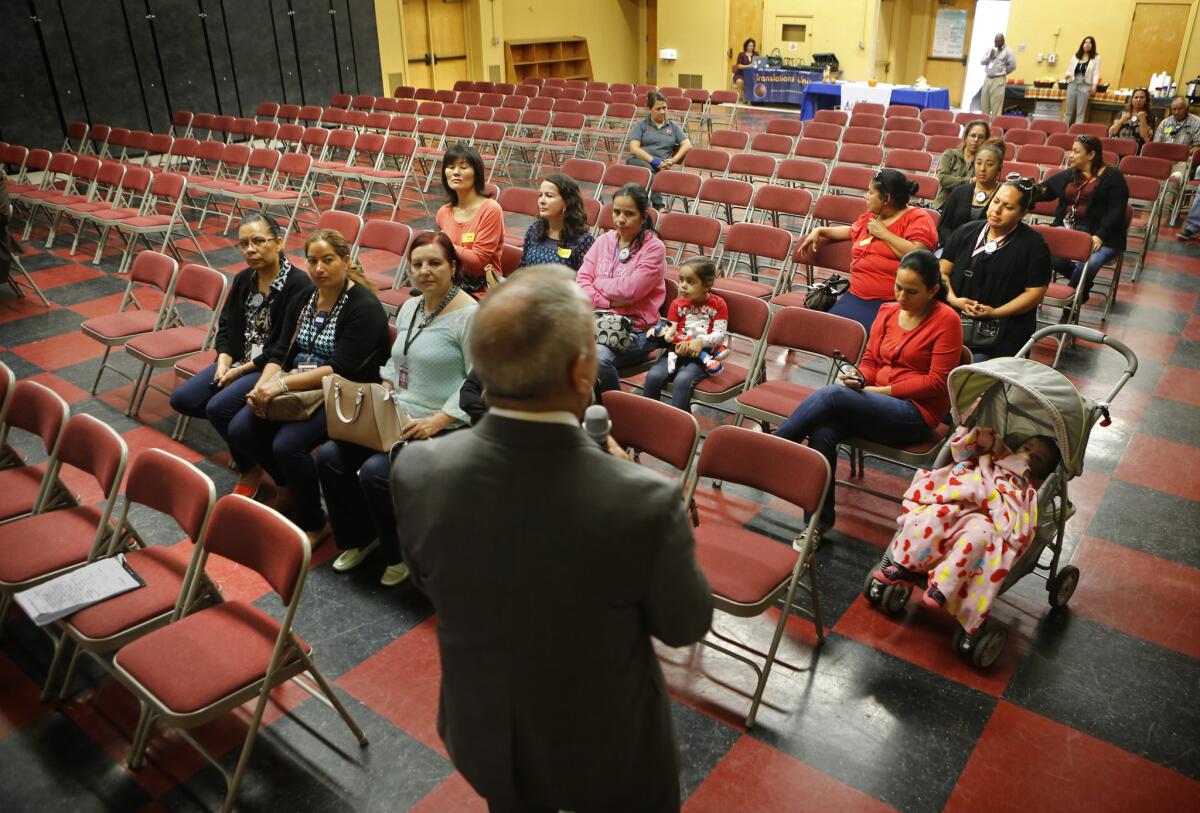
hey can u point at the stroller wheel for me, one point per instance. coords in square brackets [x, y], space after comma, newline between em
[895, 597]
[873, 589]
[1062, 586]
[988, 646]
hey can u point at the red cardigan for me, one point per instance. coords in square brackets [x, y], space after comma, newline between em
[926, 356]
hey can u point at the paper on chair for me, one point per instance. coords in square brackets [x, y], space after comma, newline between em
[78, 589]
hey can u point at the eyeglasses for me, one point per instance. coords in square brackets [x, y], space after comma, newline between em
[257, 242]
[1024, 184]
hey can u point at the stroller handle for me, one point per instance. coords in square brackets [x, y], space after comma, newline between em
[1090, 335]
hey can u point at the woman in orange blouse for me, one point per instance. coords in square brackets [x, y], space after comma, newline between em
[473, 221]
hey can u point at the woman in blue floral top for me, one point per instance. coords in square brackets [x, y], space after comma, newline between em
[560, 234]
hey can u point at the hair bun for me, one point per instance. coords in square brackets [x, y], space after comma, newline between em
[913, 187]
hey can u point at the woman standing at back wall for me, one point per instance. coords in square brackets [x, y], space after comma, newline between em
[1082, 78]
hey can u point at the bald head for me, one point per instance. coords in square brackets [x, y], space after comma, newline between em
[529, 335]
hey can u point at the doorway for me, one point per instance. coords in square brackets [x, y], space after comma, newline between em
[883, 41]
[435, 40]
[949, 71]
[745, 22]
[1155, 36]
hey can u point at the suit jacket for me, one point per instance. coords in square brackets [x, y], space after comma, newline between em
[551, 564]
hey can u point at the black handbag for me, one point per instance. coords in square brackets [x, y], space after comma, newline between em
[983, 334]
[823, 295]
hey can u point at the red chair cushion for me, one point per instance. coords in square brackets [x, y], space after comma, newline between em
[119, 325]
[204, 657]
[791, 299]
[279, 194]
[18, 490]
[732, 376]
[1057, 290]
[192, 365]
[152, 221]
[745, 286]
[115, 214]
[163, 573]
[170, 344]
[741, 565]
[35, 546]
[395, 297]
[776, 397]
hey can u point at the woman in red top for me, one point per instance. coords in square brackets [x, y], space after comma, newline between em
[888, 230]
[473, 221]
[901, 394]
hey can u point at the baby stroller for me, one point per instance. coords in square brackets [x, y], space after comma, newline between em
[1019, 397]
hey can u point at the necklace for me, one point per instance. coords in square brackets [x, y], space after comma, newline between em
[981, 196]
[441, 306]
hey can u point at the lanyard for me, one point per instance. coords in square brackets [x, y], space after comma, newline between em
[989, 247]
[320, 324]
[410, 335]
[1069, 220]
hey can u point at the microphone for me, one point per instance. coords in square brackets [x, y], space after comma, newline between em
[597, 424]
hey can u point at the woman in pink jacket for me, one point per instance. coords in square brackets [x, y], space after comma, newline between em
[623, 273]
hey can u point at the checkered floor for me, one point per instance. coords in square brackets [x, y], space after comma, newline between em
[1093, 708]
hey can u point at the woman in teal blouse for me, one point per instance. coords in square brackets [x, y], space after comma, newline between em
[427, 368]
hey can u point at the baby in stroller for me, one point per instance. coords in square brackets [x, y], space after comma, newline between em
[965, 524]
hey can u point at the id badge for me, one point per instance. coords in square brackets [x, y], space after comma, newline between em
[402, 378]
[256, 350]
[306, 367]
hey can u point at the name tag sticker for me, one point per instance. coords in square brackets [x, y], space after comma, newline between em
[564, 253]
[255, 350]
[865, 241]
[468, 238]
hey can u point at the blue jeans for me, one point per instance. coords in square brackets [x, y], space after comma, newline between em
[356, 482]
[196, 399]
[835, 412]
[656, 200]
[284, 450]
[687, 373]
[610, 361]
[860, 310]
[1192, 223]
[1100, 258]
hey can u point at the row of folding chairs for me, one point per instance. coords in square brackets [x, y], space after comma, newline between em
[178, 619]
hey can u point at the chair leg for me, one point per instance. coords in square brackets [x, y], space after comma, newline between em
[60, 645]
[247, 746]
[139, 384]
[103, 364]
[770, 659]
[181, 425]
[141, 737]
[327, 690]
[71, 666]
[818, 622]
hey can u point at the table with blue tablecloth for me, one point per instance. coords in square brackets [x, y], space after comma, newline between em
[827, 95]
[777, 85]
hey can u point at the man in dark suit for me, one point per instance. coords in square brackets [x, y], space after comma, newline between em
[550, 564]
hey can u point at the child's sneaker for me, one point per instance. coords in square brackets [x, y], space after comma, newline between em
[671, 361]
[893, 573]
[658, 330]
[721, 352]
[713, 365]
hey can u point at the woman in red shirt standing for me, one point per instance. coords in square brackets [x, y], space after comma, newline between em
[901, 394]
[888, 230]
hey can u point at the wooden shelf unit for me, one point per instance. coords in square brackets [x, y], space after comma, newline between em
[561, 58]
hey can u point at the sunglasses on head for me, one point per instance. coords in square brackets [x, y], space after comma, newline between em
[1024, 184]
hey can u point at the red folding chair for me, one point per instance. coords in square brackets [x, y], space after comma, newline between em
[36, 410]
[170, 344]
[809, 175]
[933, 114]
[617, 175]
[676, 185]
[234, 651]
[752, 253]
[388, 243]
[653, 428]
[839, 118]
[751, 574]
[164, 218]
[938, 127]
[1076, 246]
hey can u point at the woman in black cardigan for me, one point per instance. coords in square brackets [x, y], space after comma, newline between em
[251, 321]
[970, 201]
[340, 328]
[1092, 197]
[996, 270]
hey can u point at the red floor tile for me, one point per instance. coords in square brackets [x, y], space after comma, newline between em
[1179, 384]
[1148, 344]
[60, 351]
[454, 795]
[145, 437]
[1191, 330]
[20, 699]
[1026, 762]
[924, 636]
[1139, 594]
[1142, 464]
[65, 274]
[755, 778]
[13, 308]
[1157, 296]
[413, 704]
[108, 305]
[69, 392]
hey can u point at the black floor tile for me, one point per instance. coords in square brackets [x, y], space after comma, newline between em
[1145, 317]
[1166, 278]
[703, 742]
[347, 617]
[83, 373]
[309, 760]
[52, 764]
[1187, 354]
[41, 260]
[1171, 420]
[1151, 521]
[880, 724]
[842, 562]
[40, 326]
[88, 289]
[1106, 366]
[1121, 689]
[21, 367]
[113, 417]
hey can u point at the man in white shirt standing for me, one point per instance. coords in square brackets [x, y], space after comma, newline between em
[998, 64]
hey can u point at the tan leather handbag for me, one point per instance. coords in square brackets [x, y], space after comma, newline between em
[294, 406]
[364, 414]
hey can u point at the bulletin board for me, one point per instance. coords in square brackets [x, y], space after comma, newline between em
[950, 33]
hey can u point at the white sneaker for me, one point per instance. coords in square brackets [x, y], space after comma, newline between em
[350, 559]
[394, 575]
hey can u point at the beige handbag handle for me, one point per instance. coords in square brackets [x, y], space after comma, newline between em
[337, 403]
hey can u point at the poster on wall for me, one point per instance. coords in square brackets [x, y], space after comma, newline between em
[950, 33]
